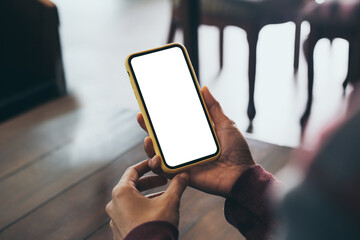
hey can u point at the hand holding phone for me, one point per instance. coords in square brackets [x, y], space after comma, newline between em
[217, 177]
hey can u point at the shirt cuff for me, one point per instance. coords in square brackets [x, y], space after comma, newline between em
[247, 208]
[154, 230]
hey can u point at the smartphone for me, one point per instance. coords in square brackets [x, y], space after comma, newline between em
[173, 108]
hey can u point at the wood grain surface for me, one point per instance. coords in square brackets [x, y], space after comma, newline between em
[59, 163]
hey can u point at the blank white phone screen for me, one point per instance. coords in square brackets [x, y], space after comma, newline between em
[174, 107]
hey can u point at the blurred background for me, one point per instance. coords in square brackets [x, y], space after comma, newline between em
[97, 37]
[68, 113]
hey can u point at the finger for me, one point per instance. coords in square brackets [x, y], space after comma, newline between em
[149, 182]
[133, 173]
[108, 208]
[216, 113]
[112, 227]
[154, 195]
[177, 186]
[149, 148]
[155, 165]
[140, 119]
[116, 233]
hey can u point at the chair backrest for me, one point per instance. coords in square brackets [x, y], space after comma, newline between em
[30, 59]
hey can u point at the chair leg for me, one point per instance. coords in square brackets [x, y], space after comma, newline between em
[252, 36]
[356, 61]
[309, 47]
[221, 47]
[353, 74]
[172, 31]
[350, 72]
[297, 45]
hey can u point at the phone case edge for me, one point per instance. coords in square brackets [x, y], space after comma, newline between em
[147, 122]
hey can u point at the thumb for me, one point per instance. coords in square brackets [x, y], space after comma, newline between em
[216, 113]
[176, 187]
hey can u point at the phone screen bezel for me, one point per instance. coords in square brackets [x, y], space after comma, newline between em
[193, 77]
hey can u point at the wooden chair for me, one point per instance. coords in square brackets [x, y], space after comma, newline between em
[250, 15]
[332, 19]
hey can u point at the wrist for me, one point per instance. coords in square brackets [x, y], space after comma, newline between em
[233, 176]
[154, 230]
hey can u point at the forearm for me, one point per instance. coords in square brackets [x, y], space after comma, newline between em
[248, 208]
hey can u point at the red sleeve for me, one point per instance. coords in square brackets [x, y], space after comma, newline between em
[155, 230]
[248, 208]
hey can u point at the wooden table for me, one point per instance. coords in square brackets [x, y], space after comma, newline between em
[59, 163]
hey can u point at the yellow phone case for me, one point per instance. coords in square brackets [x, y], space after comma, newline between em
[146, 117]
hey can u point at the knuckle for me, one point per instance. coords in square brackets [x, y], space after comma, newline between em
[111, 224]
[121, 191]
[231, 122]
[117, 192]
[181, 181]
[108, 207]
[150, 153]
[215, 104]
[129, 169]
